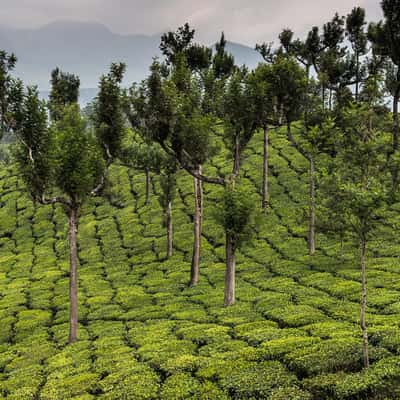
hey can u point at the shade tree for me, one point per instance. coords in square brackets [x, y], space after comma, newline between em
[179, 122]
[356, 189]
[65, 163]
[60, 164]
[385, 38]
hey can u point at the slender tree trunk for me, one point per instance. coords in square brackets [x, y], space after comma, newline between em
[148, 183]
[198, 215]
[229, 297]
[236, 163]
[73, 275]
[311, 231]
[396, 129]
[357, 75]
[169, 230]
[330, 100]
[395, 122]
[363, 248]
[265, 192]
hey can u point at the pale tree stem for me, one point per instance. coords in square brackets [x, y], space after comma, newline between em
[363, 324]
[265, 192]
[198, 215]
[73, 278]
[169, 230]
[148, 183]
[311, 232]
[229, 296]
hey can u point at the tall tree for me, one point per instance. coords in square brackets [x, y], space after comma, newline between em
[266, 115]
[177, 120]
[296, 101]
[356, 190]
[185, 56]
[62, 165]
[385, 38]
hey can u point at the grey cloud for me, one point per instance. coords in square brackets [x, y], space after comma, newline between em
[247, 22]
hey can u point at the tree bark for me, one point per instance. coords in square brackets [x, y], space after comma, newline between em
[265, 192]
[73, 277]
[236, 163]
[396, 122]
[311, 230]
[357, 75]
[148, 183]
[395, 135]
[229, 297]
[198, 215]
[363, 324]
[169, 230]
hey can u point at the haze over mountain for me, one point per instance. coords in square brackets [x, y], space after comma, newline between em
[87, 49]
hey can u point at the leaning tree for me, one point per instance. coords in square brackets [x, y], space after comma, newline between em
[177, 120]
[195, 79]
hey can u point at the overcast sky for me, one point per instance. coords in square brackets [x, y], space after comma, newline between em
[244, 21]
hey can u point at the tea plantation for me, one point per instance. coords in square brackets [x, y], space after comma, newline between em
[293, 333]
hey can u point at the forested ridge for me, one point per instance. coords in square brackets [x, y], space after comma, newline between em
[211, 232]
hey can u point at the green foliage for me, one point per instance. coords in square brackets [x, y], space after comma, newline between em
[10, 93]
[108, 111]
[64, 91]
[78, 169]
[235, 214]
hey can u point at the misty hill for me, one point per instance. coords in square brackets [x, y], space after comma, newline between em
[87, 49]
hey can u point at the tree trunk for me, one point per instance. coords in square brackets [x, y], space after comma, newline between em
[169, 230]
[363, 324]
[236, 163]
[395, 137]
[198, 215]
[229, 298]
[311, 231]
[265, 192]
[73, 275]
[395, 122]
[357, 75]
[148, 183]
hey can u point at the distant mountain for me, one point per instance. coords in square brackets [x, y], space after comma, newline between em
[244, 54]
[87, 49]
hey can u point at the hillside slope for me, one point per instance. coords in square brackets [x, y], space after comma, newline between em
[293, 333]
